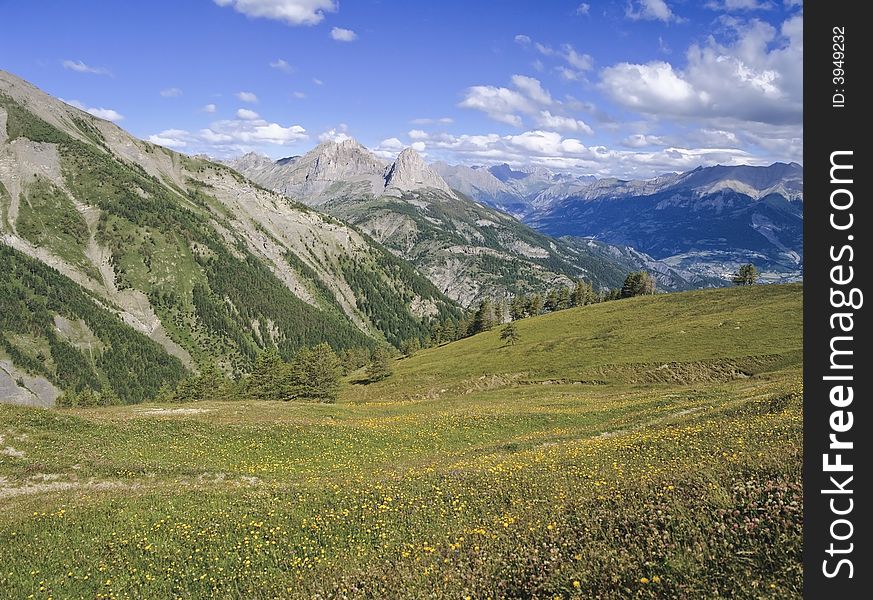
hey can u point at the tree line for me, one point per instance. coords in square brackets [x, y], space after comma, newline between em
[490, 313]
[314, 373]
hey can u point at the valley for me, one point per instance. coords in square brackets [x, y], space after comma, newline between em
[207, 265]
[594, 457]
[392, 300]
[703, 223]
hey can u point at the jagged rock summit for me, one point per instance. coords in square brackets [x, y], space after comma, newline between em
[339, 161]
[409, 172]
[163, 263]
[341, 169]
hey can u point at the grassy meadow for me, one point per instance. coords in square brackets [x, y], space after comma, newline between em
[643, 448]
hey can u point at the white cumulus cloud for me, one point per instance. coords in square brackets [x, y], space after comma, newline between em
[343, 35]
[389, 148]
[758, 78]
[281, 65]
[506, 105]
[292, 12]
[171, 138]
[172, 92]
[231, 137]
[582, 62]
[527, 98]
[248, 115]
[499, 103]
[650, 10]
[641, 140]
[249, 97]
[532, 88]
[559, 123]
[340, 133]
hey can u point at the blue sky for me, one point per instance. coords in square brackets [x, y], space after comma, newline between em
[608, 88]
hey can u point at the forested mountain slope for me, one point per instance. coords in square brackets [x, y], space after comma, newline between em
[470, 251]
[177, 250]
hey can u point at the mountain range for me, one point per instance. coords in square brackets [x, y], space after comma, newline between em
[691, 229]
[468, 249]
[125, 266]
[707, 221]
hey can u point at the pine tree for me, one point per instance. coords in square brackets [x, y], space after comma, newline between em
[353, 359]
[612, 294]
[518, 308]
[463, 328]
[563, 298]
[583, 294]
[551, 302]
[746, 275]
[483, 319]
[510, 334]
[534, 305]
[638, 283]
[315, 373]
[499, 312]
[436, 334]
[410, 346]
[380, 366]
[270, 377]
[450, 330]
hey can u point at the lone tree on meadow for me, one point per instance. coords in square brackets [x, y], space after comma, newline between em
[638, 283]
[509, 334]
[747, 274]
[380, 366]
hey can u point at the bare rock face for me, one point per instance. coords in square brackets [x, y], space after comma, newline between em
[342, 169]
[252, 162]
[330, 162]
[410, 172]
[19, 387]
[293, 251]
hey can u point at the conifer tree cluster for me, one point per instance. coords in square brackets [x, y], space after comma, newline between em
[314, 373]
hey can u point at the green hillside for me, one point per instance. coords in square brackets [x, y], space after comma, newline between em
[210, 267]
[53, 327]
[700, 336]
[606, 455]
[472, 251]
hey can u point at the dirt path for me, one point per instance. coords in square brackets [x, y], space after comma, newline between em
[51, 483]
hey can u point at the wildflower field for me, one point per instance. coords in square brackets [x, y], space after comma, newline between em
[645, 448]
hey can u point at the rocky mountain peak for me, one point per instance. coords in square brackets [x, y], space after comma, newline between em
[344, 160]
[504, 172]
[251, 160]
[410, 172]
